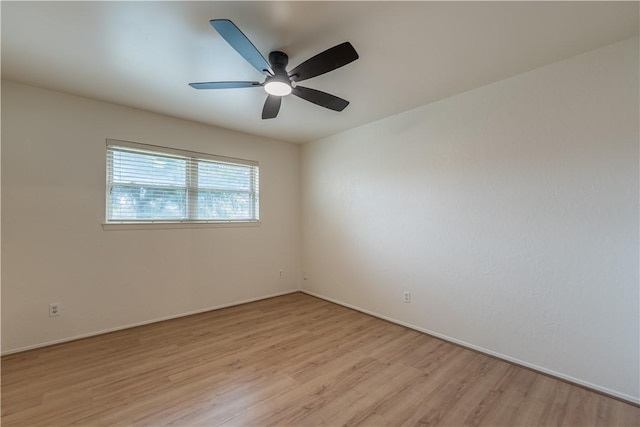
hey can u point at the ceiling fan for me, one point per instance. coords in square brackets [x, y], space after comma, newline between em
[279, 82]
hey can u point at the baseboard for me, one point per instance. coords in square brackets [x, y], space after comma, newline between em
[146, 322]
[594, 387]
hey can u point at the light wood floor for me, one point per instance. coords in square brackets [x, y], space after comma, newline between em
[291, 360]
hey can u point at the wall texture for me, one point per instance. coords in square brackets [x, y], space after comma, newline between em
[509, 212]
[55, 250]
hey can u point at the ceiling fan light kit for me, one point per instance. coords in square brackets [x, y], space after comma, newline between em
[279, 82]
[277, 88]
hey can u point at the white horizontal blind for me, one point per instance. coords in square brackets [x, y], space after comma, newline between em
[156, 184]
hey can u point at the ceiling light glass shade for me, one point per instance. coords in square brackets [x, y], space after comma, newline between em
[277, 88]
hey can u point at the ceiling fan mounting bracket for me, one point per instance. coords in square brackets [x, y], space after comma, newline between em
[278, 59]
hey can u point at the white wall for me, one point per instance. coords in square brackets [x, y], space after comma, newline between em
[510, 213]
[55, 250]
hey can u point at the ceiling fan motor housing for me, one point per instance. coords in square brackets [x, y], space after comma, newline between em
[279, 61]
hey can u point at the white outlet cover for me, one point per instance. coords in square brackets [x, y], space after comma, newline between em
[406, 296]
[54, 309]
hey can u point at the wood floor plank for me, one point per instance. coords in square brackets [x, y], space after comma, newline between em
[470, 408]
[290, 360]
[514, 398]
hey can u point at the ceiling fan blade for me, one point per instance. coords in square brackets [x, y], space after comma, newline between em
[322, 99]
[271, 107]
[324, 62]
[241, 44]
[224, 85]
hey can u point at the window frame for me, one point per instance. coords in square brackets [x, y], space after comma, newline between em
[191, 191]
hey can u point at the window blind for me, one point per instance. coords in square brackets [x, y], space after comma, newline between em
[156, 184]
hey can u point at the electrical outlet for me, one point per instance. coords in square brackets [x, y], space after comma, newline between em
[305, 275]
[54, 309]
[281, 274]
[406, 297]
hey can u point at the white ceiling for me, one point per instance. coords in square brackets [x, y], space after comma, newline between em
[143, 54]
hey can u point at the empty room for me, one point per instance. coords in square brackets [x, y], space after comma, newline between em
[306, 213]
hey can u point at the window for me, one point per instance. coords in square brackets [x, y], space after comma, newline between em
[148, 184]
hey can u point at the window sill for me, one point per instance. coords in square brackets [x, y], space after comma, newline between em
[112, 226]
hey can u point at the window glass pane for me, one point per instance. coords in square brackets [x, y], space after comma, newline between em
[224, 176]
[224, 205]
[137, 168]
[145, 203]
[153, 186]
